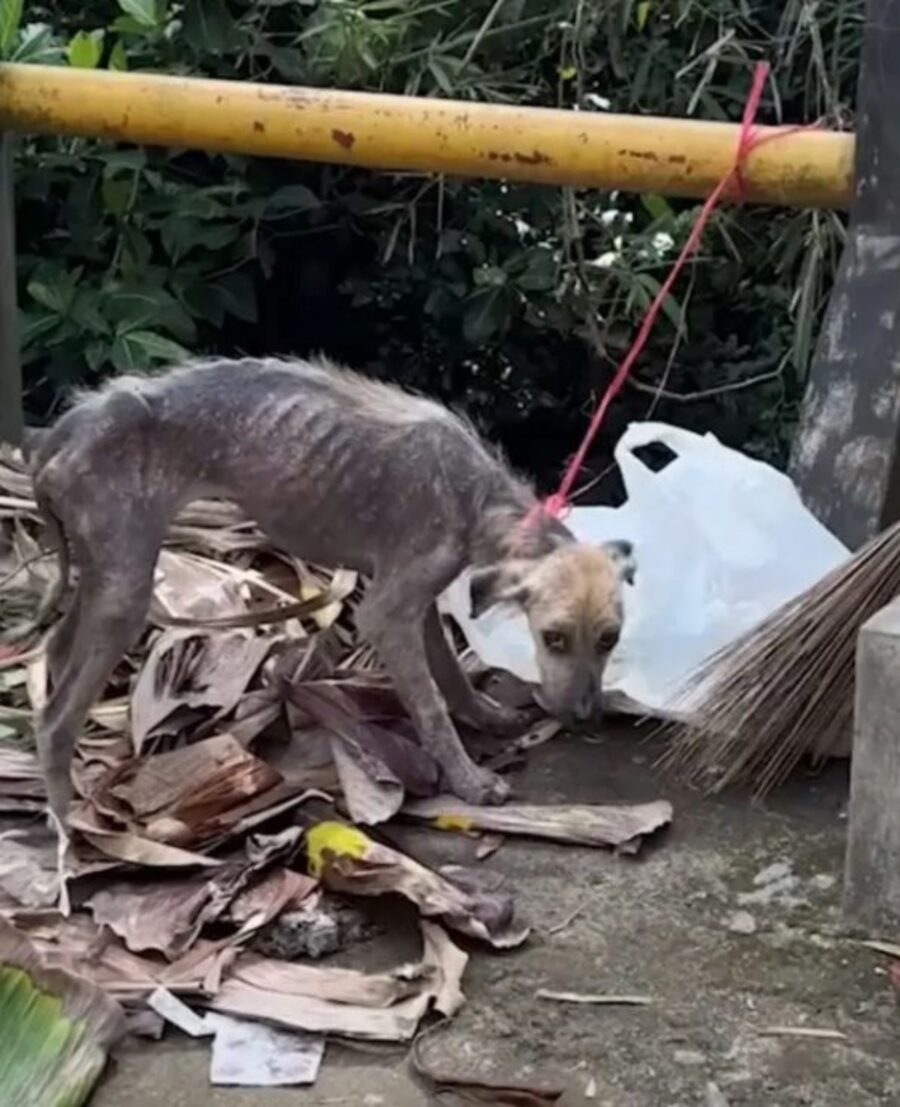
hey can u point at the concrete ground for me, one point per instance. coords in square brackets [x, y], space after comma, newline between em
[729, 922]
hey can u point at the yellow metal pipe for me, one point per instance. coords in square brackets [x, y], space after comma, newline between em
[678, 157]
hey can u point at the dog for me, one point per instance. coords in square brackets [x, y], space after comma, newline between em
[340, 470]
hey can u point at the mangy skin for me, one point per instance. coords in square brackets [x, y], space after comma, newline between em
[339, 470]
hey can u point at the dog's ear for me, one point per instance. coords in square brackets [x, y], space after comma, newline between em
[622, 556]
[496, 584]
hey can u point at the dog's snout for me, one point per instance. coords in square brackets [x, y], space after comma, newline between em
[586, 707]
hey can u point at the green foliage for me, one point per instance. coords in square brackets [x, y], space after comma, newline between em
[46, 1056]
[10, 18]
[516, 301]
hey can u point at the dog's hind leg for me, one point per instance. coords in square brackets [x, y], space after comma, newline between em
[116, 563]
[59, 644]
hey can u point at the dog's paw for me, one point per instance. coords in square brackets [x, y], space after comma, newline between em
[478, 786]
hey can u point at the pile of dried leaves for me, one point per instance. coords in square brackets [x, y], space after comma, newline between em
[222, 782]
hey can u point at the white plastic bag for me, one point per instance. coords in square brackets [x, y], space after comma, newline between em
[720, 542]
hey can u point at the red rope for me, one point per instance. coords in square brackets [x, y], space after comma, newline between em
[558, 503]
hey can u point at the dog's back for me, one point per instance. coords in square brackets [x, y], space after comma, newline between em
[297, 444]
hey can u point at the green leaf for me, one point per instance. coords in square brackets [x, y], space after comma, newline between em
[146, 13]
[656, 206]
[539, 273]
[489, 276]
[669, 307]
[137, 251]
[206, 302]
[292, 199]
[128, 25]
[96, 354]
[55, 294]
[641, 14]
[180, 235]
[145, 308]
[155, 346]
[122, 161]
[37, 45]
[128, 356]
[57, 1028]
[440, 302]
[486, 313]
[10, 20]
[441, 77]
[209, 25]
[116, 193]
[87, 311]
[85, 49]
[140, 350]
[118, 59]
[35, 325]
[290, 63]
[806, 310]
[239, 296]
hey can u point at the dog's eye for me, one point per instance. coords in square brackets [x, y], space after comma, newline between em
[607, 641]
[556, 641]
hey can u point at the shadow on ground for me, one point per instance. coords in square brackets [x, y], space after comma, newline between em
[729, 922]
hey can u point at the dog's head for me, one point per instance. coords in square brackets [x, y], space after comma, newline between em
[572, 598]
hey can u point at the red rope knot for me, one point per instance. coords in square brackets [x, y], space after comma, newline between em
[748, 138]
[556, 505]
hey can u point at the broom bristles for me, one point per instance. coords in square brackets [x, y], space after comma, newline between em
[785, 689]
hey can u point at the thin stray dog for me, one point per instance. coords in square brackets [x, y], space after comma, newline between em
[340, 470]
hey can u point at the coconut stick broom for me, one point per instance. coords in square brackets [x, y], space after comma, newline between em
[785, 689]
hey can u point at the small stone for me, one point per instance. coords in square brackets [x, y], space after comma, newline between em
[714, 1097]
[742, 922]
[777, 871]
[823, 882]
[778, 891]
[689, 1057]
[820, 941]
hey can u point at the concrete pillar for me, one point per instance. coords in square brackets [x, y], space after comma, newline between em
[872, 870]
[846, 453]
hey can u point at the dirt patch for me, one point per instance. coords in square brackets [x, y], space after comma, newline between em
[662, 925]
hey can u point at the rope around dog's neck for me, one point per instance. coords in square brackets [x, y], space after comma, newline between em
[558, 503]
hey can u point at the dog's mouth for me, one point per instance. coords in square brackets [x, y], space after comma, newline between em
[539, 699]
[568, 719]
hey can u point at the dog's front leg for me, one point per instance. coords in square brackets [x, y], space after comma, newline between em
[464, 701]
[393, 618]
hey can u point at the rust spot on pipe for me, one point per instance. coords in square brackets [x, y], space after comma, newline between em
[536, 158]
[259, 126]
[496, 155]
[343, 138]
[677, 159]
[642, 155]
[289, 97]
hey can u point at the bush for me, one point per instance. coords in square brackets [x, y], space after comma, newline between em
[513, 301]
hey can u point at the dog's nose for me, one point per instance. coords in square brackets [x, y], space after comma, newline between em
[585, 708]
